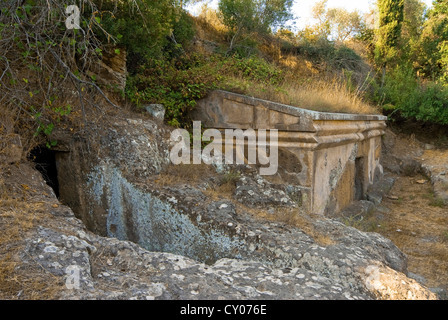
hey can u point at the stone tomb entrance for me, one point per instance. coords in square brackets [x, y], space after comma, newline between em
[332, 157]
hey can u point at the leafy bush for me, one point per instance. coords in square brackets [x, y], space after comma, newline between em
[180, 82]
[327, 52]
[141, 26]
[45, 78]
[400, 86]
[183, 33]
[431, 104]
[255, 68]
[176, 84]
[403, 93]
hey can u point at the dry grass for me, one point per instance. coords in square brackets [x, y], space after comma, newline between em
[184, 174]
[223, 186]
[316, 95]
[18, 216]
[208, 21]
[418, 226]
[327, 97]
[220, 192]
[293, 217]
[219, 186]
[300, 67]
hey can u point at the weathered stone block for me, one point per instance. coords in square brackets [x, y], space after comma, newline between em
[337, 155]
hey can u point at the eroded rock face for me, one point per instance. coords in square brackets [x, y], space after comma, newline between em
[253, 190]
[417, 158]
[138, 148]
[111, 69]
[434, 166]
[281, 262]
[205, 248]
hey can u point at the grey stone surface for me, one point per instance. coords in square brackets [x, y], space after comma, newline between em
[254, 191]
[379, 189]
[156, 110]
[94, 267]
[186, 245]
[439, 179]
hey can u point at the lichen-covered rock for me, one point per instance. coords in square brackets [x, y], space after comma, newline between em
[276, 261]
[435, 167]
[157, 111]
[175, 242]
[255, 191]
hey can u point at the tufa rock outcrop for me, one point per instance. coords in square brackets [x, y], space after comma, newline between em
[175, 241]
[277, 261]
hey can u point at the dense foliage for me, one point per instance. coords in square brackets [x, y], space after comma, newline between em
[415, 85]
[402, 66]
[391, 13]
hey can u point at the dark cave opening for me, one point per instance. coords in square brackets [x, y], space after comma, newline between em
[45, 163]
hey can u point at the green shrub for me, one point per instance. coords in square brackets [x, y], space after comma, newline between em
[344, 58]
[399, 89]
[431, 104]
[183, 33]
[177, 84]
[141, 26]
[255, 68]
[403, 93]
[327, 52]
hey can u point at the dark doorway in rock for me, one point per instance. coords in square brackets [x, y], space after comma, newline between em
[359, 178]
[45, 162]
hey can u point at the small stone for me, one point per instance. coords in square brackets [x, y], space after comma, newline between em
[156, 110]
[392, 197]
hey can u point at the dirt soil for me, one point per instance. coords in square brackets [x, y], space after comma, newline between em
[418, 225]
[411, 215]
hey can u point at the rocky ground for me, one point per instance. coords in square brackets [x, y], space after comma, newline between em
[47, 253]
[414, 212]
